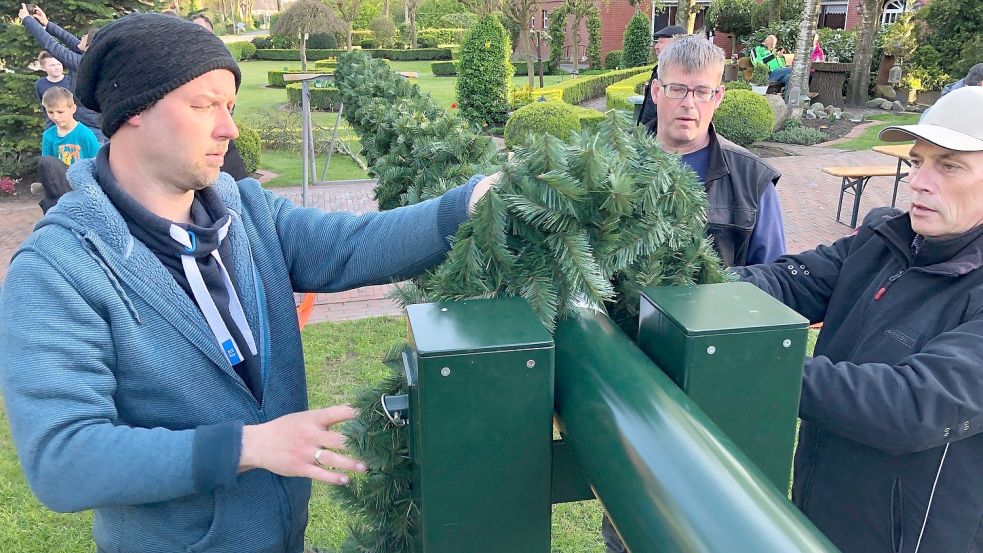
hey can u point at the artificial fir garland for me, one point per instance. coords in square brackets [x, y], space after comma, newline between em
[590, 220]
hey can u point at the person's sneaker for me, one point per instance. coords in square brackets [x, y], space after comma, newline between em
[36, 189]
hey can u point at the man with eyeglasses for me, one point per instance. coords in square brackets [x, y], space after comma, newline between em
[744, 216]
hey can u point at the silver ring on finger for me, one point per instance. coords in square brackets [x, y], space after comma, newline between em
[317, 457]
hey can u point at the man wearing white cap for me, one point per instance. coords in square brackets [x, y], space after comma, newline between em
[890, 448]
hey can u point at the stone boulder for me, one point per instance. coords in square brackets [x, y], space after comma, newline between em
[897, 107]
[817, 107]
[885, 91]
[779, 111]
[809, 114]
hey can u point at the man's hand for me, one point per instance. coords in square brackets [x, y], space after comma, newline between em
[289, 446]
[482, 188]
[40, 16]
[23, 13]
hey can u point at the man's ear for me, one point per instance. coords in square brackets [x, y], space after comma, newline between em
[655, 89]
[136, 120]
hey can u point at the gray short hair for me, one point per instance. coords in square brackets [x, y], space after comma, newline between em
[975, 75]
[691, 54]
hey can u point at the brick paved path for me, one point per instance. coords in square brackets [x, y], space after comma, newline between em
[808, 197]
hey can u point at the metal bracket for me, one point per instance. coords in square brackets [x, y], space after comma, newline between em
[396, 408]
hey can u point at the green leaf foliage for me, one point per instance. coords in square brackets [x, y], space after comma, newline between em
[637, 45]
[732, 16]
[250, 147]
[558, 33]
[555, 118]
[744, 117]
[613, 59]
[594, 40]
[952, 26]
[485, 74]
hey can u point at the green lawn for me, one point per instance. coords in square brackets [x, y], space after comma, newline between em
[255, 101]
[869, 139]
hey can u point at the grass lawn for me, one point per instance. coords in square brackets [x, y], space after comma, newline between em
[869, 139]
[255, 100]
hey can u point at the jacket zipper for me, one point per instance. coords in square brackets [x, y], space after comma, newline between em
[883, 289]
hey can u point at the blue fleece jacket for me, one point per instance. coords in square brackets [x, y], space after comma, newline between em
[118, 397]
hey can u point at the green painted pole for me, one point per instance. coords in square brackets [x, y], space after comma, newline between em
[669, 479]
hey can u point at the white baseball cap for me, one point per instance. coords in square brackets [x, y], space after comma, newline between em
[955, 122]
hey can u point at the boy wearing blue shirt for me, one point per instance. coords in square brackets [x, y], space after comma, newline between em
[68, 140]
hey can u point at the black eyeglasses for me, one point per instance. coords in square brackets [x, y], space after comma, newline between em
[700, 93]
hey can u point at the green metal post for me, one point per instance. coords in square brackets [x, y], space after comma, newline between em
[667, 476]
[738, 354]
[481, 405]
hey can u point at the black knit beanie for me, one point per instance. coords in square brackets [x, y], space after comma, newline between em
[136, 60]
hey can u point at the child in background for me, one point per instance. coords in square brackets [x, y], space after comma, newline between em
[68, 140]
[54, 76]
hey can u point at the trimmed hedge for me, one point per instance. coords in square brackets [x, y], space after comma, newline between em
[242, 50]
[637, 45]
[743, 117]
[449, 68]
[739, 84]
[524, 95]
[419, 54]
[326, 64]
[613, 59]
[578, 91]
[618, 93]
[275, 78]
[441, 36]
[250, 147]
[556, 118]
[485, 85]
[322, 99]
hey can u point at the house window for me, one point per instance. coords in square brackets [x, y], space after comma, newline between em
[833, 15]
[892, 11]
[532, 22]
[546, 20]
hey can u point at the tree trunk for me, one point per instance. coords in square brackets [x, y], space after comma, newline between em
[413, 27]
[303, 51]
[348, 36]
[798, 82]
[686, 15]
[774, 11]
[576, 46]
[860, 76]
[525, 38]
[279, 5]
[385, 8]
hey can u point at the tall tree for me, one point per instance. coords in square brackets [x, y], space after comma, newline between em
[303, 18]
[799, 80]
[862, 57]
[411, 7]
[686, 11]
[348, 10]
[519, 12]
[579, 9]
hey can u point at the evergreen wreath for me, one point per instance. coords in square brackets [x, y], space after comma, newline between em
[592, 219]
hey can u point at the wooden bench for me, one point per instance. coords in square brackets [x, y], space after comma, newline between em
[855, 179]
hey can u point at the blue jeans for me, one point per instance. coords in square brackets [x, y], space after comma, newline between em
[781, 75]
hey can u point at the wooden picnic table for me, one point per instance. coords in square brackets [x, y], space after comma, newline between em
[828, 82]
[903, 153]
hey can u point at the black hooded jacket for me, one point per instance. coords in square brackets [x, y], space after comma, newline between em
[890, 449]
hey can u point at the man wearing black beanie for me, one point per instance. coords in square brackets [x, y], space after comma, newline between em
[173, 400]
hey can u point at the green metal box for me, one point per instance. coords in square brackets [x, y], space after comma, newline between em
[738, 354]
[481, 406]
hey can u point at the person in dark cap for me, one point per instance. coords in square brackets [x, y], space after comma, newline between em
[660, 40]
[150, 354]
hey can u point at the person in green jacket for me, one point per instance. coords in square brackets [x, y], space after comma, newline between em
[765, 53]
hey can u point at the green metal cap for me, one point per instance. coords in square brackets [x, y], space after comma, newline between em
[475, 326]
[729, 306]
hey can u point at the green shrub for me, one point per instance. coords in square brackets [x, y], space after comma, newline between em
[594, 39]
[445, 35]
[556, 118]
[283, 41]
[443, 68]
[242, 50]
[461, 20]
[248, 50]
[743, 117]
[384, 31]
[739, 84]
[250, 147]
[322, 99]
[262, 43]
[21, 124]
[785, 31]
[795, 133]
[616, 95]
[426, 41]
[637, 45]
[612, 60]
[521, 69]
[839, 44]
[293, 54]
[485, 82]
[367, 44]
[589, 118]
[322, 41]
[326, 64]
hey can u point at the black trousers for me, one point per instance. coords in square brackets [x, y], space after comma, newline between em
[612, 541]
[52, 171]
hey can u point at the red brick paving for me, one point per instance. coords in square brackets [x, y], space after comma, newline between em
[808, 197]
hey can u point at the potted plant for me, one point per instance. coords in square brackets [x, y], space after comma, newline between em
[909, 86]
[759, 78]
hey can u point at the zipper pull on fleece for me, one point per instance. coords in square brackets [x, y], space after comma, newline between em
[883, 289]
